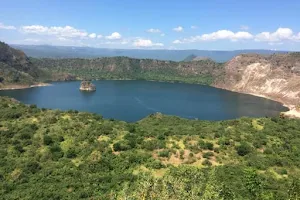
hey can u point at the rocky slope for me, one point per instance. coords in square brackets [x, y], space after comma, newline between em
[276, 76]
[17, 70]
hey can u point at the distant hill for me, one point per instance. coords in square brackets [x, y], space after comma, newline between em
[15, 67]
[195, 58]
[190, 58]
[17, 70]
[46, 51]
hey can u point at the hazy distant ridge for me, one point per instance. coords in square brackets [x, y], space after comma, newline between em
[47, 51]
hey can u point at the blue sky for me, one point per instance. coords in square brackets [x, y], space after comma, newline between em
[153, 24]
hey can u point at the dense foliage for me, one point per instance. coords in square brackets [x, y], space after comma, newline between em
[50, 154]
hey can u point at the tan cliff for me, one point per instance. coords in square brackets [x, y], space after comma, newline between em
[276, 77]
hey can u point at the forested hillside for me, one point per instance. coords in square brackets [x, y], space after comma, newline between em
[16, 68]
[203, 71]
[50, 154]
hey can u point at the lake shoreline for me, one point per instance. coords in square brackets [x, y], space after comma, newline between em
[293, 111]
[20, 87]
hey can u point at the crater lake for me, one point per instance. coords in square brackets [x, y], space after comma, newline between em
[133, 100]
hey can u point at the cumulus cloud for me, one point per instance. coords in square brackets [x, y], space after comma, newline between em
[178, 29]
[218, 35]
[194, 27]
[66, 31]
[226, 34]
[6, 27]
[152, 30]
[99, 36]
[114, 36]
[92, 35]
[279, 35]
[146, 43]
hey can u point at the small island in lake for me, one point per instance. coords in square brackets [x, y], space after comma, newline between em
[87, 86]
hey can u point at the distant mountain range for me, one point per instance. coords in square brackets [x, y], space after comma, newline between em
[46, 51]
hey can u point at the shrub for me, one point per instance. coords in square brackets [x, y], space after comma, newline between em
[33, 106]
[121, 146]
[209, 145]
[71, 153]
[206, 162]
[208, 155]
[282, 171]
[205, 145]
[155, 165]
[33, 167]
[268, 151]
[164, 153]
[243, 149]
[47, 140]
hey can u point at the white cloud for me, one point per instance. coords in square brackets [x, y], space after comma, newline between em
[178, 29]
[177, 42]
[114, 36]
[92, 35]
[67, 31]
[99, 36]
[226, 34]
[6, 27]
[146, 43]
[162, 34]
[152, 30]
[194, 27]
[218, 35]
[279, 35]
[244, 27]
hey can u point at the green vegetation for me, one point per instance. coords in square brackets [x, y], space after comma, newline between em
[202, 72]
[16, 69]
[51, 154]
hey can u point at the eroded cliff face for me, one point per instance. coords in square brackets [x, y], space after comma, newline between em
[275, 76]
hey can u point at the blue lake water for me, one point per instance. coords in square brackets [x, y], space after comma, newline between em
[133, 100]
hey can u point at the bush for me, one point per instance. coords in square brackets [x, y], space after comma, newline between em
[164, 153]
[268, 151]
[282, 171]
[208, 155]
[206, 163]
[243, 149]
[155, 165]
[153, 144]
[121, 146]
[47, 140]
[33, 167]
[71, 153]
[33, 106]
[205, 145]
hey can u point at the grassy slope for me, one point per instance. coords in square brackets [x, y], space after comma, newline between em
[50, 154]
